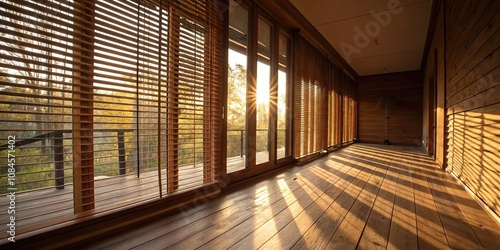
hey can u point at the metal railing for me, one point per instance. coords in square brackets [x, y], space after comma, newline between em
[58, 136]
[241, 134]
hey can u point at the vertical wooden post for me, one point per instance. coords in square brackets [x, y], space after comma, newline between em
[242, 146]
[83, 145]
[290, 88]
[272, 142]
[160, 76]
[251, 95]
[211, 108]
[306, 140]
[355, 113]
[59, 159]
[220, 173]
[341, 108]
[121, 152]
[172, 103]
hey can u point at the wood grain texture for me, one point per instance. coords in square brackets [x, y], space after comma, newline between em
[467, 39]
[365, 196]
[405, 120]
[434, 70]
[470, 62]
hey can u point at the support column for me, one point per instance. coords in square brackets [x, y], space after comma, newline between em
[83, 113]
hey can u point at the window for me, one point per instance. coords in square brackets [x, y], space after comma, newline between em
[349, 111]
[262, 91]
[236, 135]
[111, 102]
[258, 91]
[325, 103]
[334, 107]
[310, 99]
[283, 109]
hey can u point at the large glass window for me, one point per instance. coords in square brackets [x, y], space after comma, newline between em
[236, 136]
[258, 105]
[283, 127]
[110, 102]
[262, 91]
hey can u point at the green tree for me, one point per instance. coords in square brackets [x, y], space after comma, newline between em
[236, 110]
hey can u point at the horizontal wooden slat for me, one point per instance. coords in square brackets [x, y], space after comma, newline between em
[121, 81]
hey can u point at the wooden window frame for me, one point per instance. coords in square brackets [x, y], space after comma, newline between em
[256, 12]
[83, 100]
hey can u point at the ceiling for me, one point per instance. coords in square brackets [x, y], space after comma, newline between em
[373, 36]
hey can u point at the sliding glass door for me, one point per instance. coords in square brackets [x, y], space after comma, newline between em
[263, 92]
[236, 115]
[258, 127]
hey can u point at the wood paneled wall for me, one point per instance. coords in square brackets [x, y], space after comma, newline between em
[434, 92]
[466, 48]
[405, 119]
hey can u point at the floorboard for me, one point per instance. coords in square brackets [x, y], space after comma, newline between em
[361, 197]
[403, 233]
[430, 230]
[377, 228]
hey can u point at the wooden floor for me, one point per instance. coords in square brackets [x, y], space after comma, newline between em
[363, 196]
[43, 205]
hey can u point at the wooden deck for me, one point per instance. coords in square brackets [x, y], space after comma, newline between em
[50, 203]
[364, 196]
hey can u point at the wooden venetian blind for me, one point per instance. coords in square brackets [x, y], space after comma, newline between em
[335, 106]
[325, 102]
[111, 102]
[349, 110]
[310, 99]
[41, 74]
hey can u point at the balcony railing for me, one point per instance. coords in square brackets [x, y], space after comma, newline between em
[236, 141]
[57, 138]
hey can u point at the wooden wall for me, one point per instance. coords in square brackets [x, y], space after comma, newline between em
[405, 120]
[468, 69]
[434, 118]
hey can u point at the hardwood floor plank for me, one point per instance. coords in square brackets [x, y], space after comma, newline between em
[403, 233]
[242, 222]
[377, 228]
[219, 217]
[262, 234]
[458, 231]
[351, 228]
[302, 223]
[486, 229]
[326, 225]
[323, 225]
[363, 196]
[431, 234]
[242, 230]
[191, 213]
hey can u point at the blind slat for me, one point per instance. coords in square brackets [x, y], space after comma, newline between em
[324, 93]
[131, 86]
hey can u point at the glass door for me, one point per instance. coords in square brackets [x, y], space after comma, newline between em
[236, 116]
[283, 100]
[263, 93]
[258, 128]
